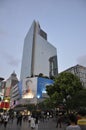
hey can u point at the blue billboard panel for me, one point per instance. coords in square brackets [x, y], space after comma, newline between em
[41, 86]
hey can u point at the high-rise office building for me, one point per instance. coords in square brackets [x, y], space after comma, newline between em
[39, 56]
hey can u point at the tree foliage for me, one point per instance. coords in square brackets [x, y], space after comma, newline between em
[65, 85]
[79, 99]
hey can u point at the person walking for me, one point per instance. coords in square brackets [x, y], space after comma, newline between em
[82, 120]
[59, 121]
[29, 119]
[6, 118]
[36, 122]
[32, 123]
[19, 119]
[73, 123]
[1, 120]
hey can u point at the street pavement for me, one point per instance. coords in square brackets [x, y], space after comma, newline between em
[50, 125]
[46, 125]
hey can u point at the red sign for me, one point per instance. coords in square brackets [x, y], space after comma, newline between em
[4, 105]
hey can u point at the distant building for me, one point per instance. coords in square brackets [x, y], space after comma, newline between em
[16, 94]
[79, 71]
[2, 86]
[39, 56]
[10, 82]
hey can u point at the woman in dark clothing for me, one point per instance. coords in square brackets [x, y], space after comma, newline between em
[59, 121]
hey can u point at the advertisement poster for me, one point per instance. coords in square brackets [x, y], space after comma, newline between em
[41, 86]
[29, 88]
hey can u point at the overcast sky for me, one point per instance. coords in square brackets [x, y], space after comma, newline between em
[64, 21]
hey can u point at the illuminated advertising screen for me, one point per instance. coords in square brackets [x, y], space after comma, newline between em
[41, 86]
[29, 88]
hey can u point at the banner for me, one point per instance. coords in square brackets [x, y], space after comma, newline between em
[29, 88]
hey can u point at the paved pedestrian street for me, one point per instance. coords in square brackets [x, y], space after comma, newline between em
[50, 125]
[46, 125]
[14, 126]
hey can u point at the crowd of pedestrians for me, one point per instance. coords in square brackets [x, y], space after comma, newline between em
[4, 118]
[73, 121]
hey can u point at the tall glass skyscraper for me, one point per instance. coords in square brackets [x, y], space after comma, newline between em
[39, 56]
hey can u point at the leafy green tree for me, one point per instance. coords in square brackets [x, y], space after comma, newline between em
[45, 105]
[79, 99]
[41, 75]
[65, 86]
[56, 98]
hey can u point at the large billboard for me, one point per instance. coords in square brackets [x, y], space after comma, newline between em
[29, 88]
[41, 86]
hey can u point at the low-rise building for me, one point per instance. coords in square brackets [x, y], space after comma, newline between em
[79, 71]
